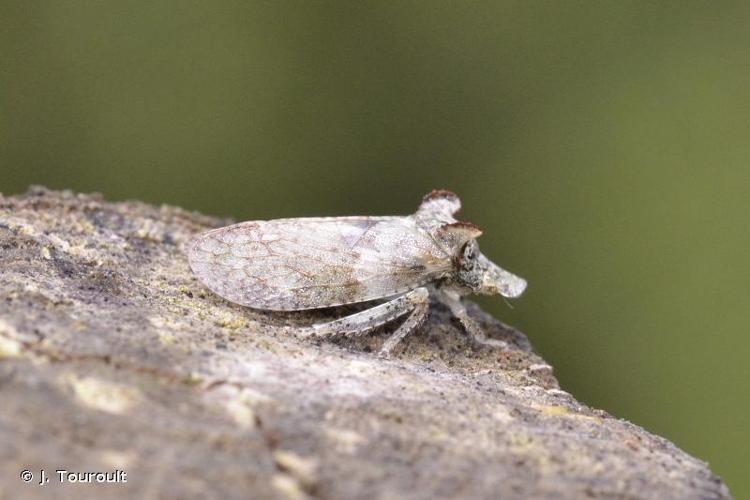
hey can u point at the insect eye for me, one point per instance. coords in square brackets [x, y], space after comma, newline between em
[469, 250]
[468, 256]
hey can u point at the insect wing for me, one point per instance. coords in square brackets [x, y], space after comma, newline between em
[294, 264]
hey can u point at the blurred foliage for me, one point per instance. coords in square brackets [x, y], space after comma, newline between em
[603, 147]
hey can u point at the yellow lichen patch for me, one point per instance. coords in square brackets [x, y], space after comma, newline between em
[238, 403]
[561, 411]
[103, 395]
[117, 459]
[228, 320]
[9, 348]
[59, 243]
[240, 411]
[264, 344]
[84, 227]
[520, 441]
[166, 338]
[345, 440]
[165, 330]
[303, 469]
[553, 411]
[21, 225]
[241, 414]
[151, 230]
[525, 447]
[78, 326]
[252, 396]
[592, 418]
[288, 487]
[193, 378]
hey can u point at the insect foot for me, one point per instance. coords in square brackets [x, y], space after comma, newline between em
[312, 263]
[454, 302]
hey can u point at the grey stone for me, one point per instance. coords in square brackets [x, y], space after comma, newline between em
[114, 357]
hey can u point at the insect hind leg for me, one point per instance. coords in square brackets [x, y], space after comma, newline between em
[415, 302]
[421, 305]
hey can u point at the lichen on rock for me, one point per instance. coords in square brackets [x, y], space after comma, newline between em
[113, 356]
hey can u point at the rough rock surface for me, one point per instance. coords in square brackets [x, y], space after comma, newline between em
[114, 357]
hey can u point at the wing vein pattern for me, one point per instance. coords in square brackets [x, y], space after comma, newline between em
[308, 263]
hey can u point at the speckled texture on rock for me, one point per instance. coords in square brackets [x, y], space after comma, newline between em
[113, 356]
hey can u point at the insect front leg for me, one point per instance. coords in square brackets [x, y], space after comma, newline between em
[415, 302]
[452, 299]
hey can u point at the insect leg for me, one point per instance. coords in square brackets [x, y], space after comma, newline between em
[420, 303]
[361, 322]
[475, 331]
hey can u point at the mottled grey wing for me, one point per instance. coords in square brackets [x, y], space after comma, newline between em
[293, 264]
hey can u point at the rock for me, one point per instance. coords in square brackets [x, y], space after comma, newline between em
[113, 357]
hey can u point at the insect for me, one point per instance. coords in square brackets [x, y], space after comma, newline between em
[395, 262]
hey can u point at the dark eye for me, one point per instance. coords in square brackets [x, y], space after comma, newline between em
[469, 250]
[468, 256]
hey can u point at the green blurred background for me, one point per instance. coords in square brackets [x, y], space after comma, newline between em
[603, 147]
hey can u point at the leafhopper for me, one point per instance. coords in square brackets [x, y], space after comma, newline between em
[396, 263]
